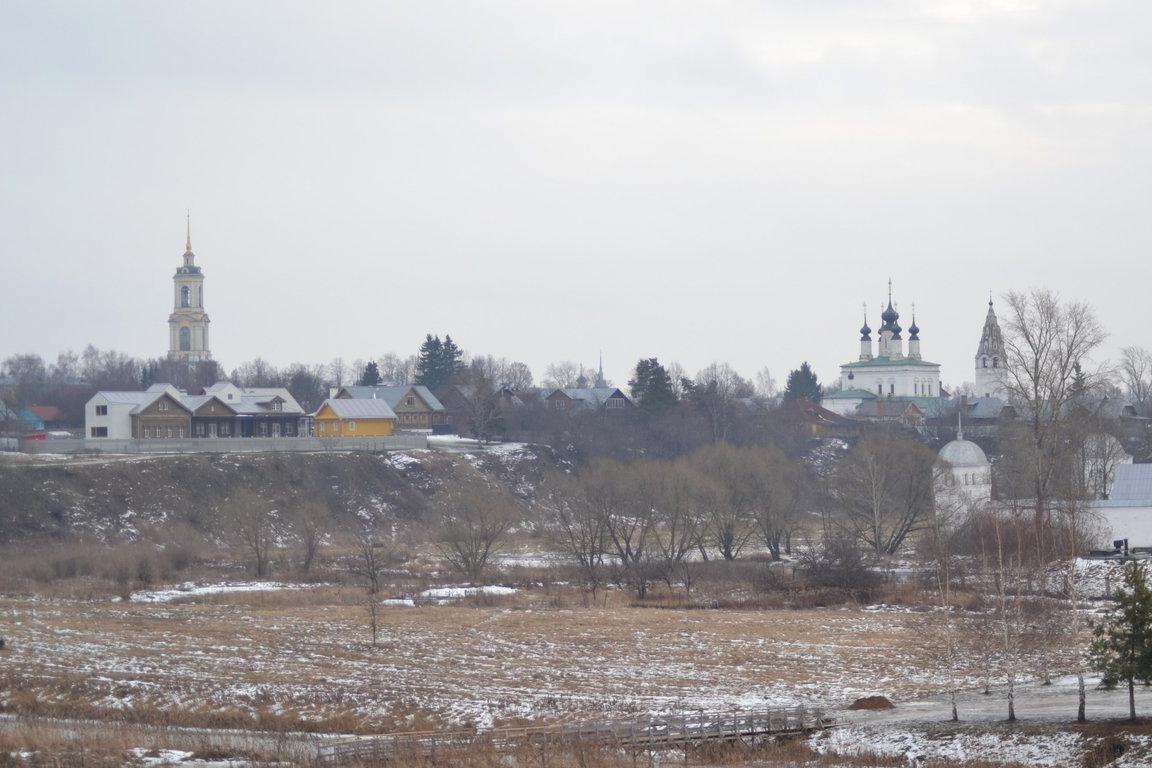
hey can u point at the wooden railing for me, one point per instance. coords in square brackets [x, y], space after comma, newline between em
[643, 733]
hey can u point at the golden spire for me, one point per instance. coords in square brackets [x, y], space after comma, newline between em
[188, 242]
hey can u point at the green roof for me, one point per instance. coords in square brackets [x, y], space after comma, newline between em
[850, 394]
[883, 361]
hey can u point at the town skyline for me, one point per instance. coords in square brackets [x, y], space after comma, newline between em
[547, 183]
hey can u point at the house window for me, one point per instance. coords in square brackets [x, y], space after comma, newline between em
[984, 362]
[163, 405]
[101, 410]
[410, 401]
[99, 431]
[879, 389]
[185, 296]
[891, 388]
[185, 340]
[995, 362]
[351, 426]
[200, 429]
[277, 406]
[615, 402]
[225, 429]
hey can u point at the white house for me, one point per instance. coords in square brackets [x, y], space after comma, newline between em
[109, 414]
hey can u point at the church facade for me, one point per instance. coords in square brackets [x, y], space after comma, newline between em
[188, 323]
[885, 370]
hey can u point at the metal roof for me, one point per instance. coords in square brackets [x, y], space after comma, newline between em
[352, 408]
[595, 395]
[1133, 483]
[393, 394]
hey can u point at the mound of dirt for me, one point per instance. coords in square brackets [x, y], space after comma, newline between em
[872, 703]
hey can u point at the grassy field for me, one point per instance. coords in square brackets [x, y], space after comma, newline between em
[302, 659]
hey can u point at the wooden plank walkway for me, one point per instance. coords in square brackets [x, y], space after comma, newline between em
[638, 734]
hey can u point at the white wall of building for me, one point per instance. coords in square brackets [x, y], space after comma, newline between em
[117, 420]
[1125, 522]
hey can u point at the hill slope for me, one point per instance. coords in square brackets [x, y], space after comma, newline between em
[115, 499]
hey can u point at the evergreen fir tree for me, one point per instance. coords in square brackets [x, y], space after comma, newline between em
[451, 357]
[651, 387]
[1122, 643]
[428, 364]
[370, 377]
[802, 385]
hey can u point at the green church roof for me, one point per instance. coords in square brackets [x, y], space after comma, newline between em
[879, 362]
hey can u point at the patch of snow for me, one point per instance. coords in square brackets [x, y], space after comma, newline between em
[455, 593]
[922, 746]
[160, 756]
[191, 589]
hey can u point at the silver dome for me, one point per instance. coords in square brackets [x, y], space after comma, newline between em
[963, 453]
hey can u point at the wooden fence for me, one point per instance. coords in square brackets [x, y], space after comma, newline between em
[639, 734]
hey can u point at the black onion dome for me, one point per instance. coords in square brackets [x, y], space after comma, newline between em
[865, 332]
[890, 315]
[914, 331]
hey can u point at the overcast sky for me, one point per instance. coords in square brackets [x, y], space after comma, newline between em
[697, 181]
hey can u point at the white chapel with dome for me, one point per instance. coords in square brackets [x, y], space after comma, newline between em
[966, 482]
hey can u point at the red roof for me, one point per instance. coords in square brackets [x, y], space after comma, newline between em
[47, 412]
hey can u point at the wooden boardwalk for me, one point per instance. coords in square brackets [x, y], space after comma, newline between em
[638, 734]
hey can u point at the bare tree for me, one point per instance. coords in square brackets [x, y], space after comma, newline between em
[682, 494]
[475, 518]
[766, 385]
[482, 409]
[337, 372]
[775, 497]
[623, 496]
[562, 374]
[368, 563]
[396, 370]
[729, 524]
[943, 630]
[578, 527]
[884, 489]
[1136, 372]
[253, 521]
[1046, 341]
[310, 524]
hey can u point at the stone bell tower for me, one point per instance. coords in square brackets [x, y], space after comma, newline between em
[188, 323]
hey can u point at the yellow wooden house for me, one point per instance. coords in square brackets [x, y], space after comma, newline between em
[354, 418]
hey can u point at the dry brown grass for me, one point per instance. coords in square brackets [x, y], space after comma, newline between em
[302, 660]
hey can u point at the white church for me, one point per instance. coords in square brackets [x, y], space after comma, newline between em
[885, 370]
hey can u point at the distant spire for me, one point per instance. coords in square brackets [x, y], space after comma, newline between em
[960, 422]
[188, 223]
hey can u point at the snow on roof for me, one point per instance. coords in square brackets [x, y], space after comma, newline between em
[352, 408]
